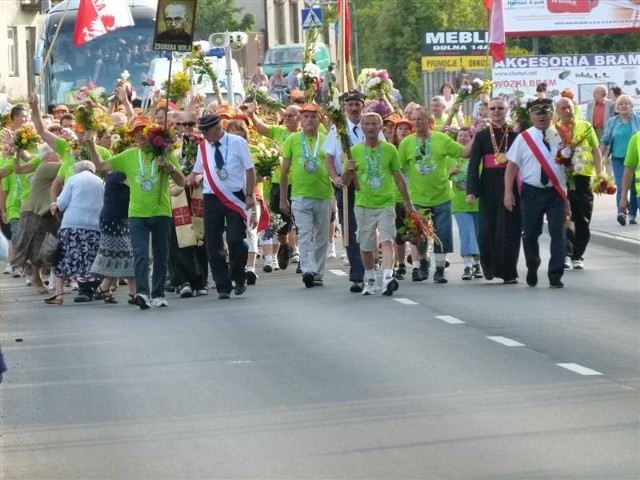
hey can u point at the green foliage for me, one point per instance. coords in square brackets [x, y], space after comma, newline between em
[219, 16]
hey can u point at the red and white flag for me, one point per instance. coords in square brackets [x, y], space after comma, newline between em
[496, 29]
[98, 17]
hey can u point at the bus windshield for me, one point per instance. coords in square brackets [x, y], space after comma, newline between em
[99, 62]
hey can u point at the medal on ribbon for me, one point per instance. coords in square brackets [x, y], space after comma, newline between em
[375, 183]
[501, 158]
[310, 164]
[222, 174]
[146, 185]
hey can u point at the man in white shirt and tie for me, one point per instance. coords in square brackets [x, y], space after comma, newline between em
[354, 106]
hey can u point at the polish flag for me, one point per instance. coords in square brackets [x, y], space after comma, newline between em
[496, 29]
[98, 17]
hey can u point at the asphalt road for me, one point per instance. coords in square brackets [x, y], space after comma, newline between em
[470, 380]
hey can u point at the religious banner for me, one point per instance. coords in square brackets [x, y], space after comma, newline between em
[174, 25]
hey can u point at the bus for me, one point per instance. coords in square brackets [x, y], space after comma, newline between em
[99, 62]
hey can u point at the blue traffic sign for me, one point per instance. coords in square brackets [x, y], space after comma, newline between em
[311, 18]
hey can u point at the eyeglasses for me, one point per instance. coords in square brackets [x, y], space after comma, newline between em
[493, 109]
[186, 124]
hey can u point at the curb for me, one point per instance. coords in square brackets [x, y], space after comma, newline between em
[616, 242]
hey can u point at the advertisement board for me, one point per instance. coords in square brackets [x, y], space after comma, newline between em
[581, 73]
[458, 42]
[570, 17]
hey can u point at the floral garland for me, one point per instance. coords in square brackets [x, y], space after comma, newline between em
[26, 138]
[473, 89]
[601, 184]
[336, 116]
[190, 151]
[179, 87]
[417, 227]
[276, 224]
[520, 114]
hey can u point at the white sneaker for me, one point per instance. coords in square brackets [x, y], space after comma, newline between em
[276, 267]
[7, 269]
[142, 301]
[567, 263]
[159, 302]
[203, 291]
[370, 288]
[295, 258]
[331, 251]
[74, 286]
[578, 265]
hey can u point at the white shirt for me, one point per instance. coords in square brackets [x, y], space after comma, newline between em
[333, 147]
[530, 169]
[237, 160]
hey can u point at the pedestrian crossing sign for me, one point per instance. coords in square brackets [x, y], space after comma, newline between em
[311, 18]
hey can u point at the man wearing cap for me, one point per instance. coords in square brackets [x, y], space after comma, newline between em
[304, 165]
[424, 159]
[571, 130]
[500, 233]
[543, 191]
[149, 210]
[354, 106]
[58, 111]
[224, 165]
[279, 133]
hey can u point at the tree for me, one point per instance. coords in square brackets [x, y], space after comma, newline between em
[218, 16]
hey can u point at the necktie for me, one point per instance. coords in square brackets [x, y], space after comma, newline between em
[218, 156]
[355, 131]
[544, 178]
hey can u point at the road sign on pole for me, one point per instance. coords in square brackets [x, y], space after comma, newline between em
[311, 18]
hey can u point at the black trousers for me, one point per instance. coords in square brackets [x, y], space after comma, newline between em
[581, 201]
[216, 214]
[356, 268]
[535, 203]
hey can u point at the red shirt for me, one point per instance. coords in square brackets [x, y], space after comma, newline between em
[598, 114]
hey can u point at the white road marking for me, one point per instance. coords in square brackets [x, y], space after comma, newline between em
[574, 367]
[506, 341]
[237, 362]
[449, 319]
[339, 273]
[405, 301]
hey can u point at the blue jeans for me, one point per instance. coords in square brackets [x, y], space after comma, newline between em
[159, 229]
[468, 226]
[618, 170]
[442, 225]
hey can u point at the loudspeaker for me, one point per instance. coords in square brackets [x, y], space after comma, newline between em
[238, 40]
[219, 40]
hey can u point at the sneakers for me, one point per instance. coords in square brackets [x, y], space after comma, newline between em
[477, 271]
[268, 267]
[331, 251]
[7, 269]
[356, 287]
[295, 258]
[142, 301]
[439, 276]
[622, 219]
[556, 284]
[16, 272]
[251, 277]
[186, 291]
[276, 267]
[389, 285]
[160, 302]
[578, 265]
[239, 289]
[633, 221]
[308, 279]
[425, 266]
[284, 252]
[202, 291]
[370, 288]
[417, 275]
[567, 263]
[400, 272]
[317, 280]
[532, 278]
[467, 274]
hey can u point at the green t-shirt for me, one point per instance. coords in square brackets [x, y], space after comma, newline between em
[425, 164]
[583, 130]
[68, 157]
[459, 187]
[278, 133]
[308, 175]
[149, 186]
[375, 167]
[17, 186]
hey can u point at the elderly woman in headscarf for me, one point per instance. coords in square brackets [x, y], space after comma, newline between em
[81, 201]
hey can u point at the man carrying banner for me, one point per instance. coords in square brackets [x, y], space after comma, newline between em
[225, 165]
[543, 192]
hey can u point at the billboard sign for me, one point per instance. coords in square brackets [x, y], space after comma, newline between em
[570, 17]
[459, 42]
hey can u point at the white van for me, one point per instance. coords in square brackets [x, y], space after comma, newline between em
[159, 72]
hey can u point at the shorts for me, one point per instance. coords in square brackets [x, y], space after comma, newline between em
[374, 224]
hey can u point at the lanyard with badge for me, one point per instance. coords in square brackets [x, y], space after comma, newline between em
[373, 168]
[147, 181]
[310, 164]
[423, 156]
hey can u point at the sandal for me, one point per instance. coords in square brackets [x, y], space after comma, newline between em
[131, 300]
[54, 300]
[107, 296]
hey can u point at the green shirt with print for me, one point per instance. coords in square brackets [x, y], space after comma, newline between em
[17, 186]
[425, 165]
[149, 185]
[308, 175]
[68, 157]
[375, 167]
[459, 187]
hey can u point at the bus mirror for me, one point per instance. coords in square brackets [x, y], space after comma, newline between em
[37, 65]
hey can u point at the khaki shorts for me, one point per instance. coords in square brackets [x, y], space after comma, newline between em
[372, 220]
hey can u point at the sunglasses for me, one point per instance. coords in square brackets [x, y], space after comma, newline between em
[493, 109]
[186, 124]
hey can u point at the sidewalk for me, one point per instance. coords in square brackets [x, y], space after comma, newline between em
[607, 232]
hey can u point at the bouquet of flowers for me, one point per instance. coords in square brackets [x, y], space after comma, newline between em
[569, 155]
[120, 140]
[417, 227]
[158, 140]
[26, 138]
[520, 114]
[601, 184]
[276, 224]
[201, 66]
[371, 81]
[310, 72]
[190, 151]
[337, 118]
[123, 81]
[86, 113]
[268, 155]
[259, 95]
[473, 89]
[179, 87]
